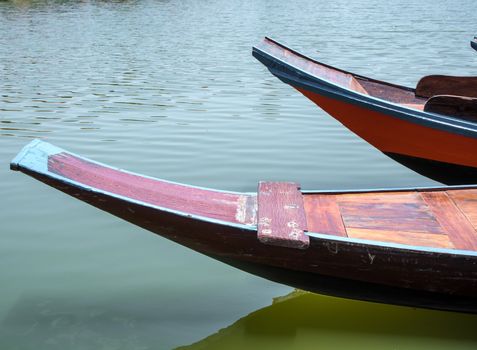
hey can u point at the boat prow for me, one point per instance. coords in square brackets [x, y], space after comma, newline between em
[431, 129]
[413, 247]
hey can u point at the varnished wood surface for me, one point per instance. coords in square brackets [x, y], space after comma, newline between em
[440, 219]
[323, 215]
[457, 106]
[432, 85]
[452, 219]
[467, 203]
[281, 217]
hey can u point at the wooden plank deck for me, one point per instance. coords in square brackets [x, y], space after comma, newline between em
[452, 219]
[323, 215]
[441, 219]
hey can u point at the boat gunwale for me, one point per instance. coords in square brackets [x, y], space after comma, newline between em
[16, 165]
[393, 189]
[314, 236]
[407, 88]
[327, 88]
[86, 188]
[253, 228]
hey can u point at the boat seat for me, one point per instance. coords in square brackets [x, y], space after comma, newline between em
[433, 85]
[281, 215]
[456, 106]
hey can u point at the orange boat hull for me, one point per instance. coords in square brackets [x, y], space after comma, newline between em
[406, 138]
[390, 117]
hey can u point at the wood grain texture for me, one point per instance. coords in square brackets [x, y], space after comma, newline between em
[323, 215]
[192, 200]
[397, 212]
[460, 231]
[466, 200]
[281, 215]
[456, 106]
[432, 85]
[388, 92]
[402, 237]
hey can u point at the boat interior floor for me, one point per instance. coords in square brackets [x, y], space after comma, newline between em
[440, 219]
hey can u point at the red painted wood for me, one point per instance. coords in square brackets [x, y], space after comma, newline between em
[420, 141]
[213, 204]
[281, 215]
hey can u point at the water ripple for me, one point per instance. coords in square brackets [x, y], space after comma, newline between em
[170, 89]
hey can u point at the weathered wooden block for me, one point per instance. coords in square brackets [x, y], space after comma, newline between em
[281, 215]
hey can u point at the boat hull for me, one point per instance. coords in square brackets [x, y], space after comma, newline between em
[411, 144]
[352, 289]
[437, 146]
[439, 273]
[340, 268]
[447, 173]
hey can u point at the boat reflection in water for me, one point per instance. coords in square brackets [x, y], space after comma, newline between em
[303, 320]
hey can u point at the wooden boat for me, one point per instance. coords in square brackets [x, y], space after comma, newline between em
[473, 43]
[410, 247]
[431, 129]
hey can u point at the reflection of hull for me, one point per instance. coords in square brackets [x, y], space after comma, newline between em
[439, 171]
[345, 288]
[381, 246]
[389, 117]
[473, 43]
[303, 320]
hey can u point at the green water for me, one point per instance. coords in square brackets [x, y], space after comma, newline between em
[303, 320]
[170, 89]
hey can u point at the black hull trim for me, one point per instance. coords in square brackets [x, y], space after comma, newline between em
[473, 44]
[350, 289]
[446, 173]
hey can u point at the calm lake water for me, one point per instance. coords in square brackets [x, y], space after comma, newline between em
[170, 89]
